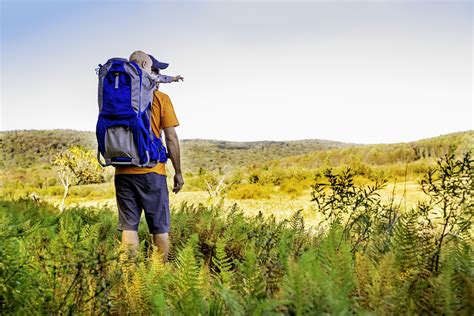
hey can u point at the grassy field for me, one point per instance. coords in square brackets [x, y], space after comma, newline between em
[254, 174]
[404, 195]
[252, 233]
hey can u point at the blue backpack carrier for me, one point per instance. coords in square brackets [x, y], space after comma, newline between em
[124, 133]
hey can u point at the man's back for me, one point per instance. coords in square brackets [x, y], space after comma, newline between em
[162, 116]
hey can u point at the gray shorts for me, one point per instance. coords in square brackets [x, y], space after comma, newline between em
[149, 192]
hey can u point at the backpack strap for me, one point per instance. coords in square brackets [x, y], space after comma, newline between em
[103, 164]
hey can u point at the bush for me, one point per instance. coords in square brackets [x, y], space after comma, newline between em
[293, 187]
[250, 191]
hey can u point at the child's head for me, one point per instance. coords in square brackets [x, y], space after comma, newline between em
[142, 60]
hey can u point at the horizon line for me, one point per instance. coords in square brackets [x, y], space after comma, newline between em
[253, 141]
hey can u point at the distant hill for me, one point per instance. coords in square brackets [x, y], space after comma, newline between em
[289, 165]
[27, 147]
[427, 150]
[214, 155]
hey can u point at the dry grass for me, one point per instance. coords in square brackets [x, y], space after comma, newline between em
[405, 194]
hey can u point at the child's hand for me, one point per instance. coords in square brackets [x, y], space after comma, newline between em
[177, 78]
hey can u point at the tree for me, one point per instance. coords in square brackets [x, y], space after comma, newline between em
[77, 165]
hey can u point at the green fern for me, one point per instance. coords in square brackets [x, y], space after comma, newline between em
[379, 286]
[230, 300]
[222, 264]
[69, 263]
[321, 281]
[414, 246]
[186, 293]
[454, 284]
[250, 283]
[298, 234]
[333, 271]
[299, 289]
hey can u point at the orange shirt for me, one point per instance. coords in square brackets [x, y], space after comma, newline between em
[162, 116]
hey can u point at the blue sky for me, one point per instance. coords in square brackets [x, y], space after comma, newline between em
[358, 71]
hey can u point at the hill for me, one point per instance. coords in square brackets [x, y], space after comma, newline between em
[28, 147]
[429, 149]
[218, 155]
[248, 169]
[32, 148]
[403, 160]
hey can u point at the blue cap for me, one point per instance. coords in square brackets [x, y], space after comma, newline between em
[157, 64]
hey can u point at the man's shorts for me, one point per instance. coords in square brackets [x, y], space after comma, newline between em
[147, 191]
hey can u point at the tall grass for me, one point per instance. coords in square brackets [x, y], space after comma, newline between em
[365, 259]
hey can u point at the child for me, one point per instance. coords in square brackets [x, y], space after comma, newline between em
[155, 71]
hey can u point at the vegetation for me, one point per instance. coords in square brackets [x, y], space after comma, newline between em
[210, 155]
[366, 257]
[252, 170]
[77, 165]
[29, 147]
[394, 162]
[27, 161]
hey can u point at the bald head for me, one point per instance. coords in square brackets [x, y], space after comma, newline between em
[142, 60]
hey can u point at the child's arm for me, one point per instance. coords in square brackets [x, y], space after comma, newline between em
[169, 79]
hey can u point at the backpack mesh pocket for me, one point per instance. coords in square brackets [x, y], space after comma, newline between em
[120, 144]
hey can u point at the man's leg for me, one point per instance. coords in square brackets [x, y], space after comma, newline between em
[129, 209]
[162, 242]
[130, 238]
[155, 201]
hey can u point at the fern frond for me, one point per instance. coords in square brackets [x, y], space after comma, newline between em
[298, 286]
[333, 271]
[412, 248]
[223, 264]
[187, 270]
[230, 300]
[187, 295]
[250, 283]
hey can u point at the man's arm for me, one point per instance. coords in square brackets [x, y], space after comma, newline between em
[172, 143]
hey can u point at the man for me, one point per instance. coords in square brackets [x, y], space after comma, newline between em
[145, 188]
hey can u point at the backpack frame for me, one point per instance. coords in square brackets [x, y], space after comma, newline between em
[123, 131]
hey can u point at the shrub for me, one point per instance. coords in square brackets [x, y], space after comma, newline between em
[250, 191]
[293, 187]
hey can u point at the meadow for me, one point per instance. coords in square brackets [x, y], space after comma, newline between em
[327, 228]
